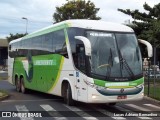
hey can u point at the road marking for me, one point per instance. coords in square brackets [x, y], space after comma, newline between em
[109, 114]
[137, 107]
[123, 109]
[23, 108]
[81, 113]
[47, 108]
[30, 100]
[151, 105]
[145, 118]
[53, 112]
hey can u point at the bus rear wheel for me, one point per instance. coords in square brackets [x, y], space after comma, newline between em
[18, 88]
[23, 89]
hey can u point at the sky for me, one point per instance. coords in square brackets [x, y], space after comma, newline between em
[39, 13]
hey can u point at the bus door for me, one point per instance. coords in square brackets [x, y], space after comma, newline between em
[81, 87]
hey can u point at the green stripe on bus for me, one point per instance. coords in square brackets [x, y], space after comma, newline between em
[58, 76]
[51, 29]
[131, 83]
[43, 71]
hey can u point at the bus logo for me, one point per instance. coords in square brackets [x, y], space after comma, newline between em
[122, 90]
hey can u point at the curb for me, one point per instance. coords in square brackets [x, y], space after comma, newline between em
[3, 78]
[151, 99]
[4, 97]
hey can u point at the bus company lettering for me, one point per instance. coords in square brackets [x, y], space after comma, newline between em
[117, 84]
[101, 34]
[45, 62]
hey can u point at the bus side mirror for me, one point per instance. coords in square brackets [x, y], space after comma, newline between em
[148, 45]
[86, 43]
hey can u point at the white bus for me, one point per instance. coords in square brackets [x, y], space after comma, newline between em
[81, 60]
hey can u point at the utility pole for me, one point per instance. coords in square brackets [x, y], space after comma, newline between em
[26, 23]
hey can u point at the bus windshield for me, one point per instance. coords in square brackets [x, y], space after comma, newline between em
[115, 56]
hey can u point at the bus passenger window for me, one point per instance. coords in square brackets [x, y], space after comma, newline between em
[79, 58]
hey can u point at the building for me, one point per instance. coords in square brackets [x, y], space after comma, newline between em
[3, 51]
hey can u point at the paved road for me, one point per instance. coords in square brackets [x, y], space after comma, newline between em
[52, 107]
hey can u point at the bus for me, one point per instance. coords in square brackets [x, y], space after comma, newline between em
[80, 60]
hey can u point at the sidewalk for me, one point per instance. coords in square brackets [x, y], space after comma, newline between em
[152, 99]
[3, 75]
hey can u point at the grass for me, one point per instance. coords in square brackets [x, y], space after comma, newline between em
[3, 94]
[154, 91]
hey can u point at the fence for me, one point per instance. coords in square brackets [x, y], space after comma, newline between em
[152, 81]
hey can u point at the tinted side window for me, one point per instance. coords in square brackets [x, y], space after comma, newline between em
[59, 43]
[11, 54]
[77, 48]
[37, 42]
[59, 40]
[79, 57]
[48, 43]
[40, 45]
[72, 32]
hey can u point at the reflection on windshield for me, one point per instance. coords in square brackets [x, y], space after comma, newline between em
[128, 47]
[105, 58]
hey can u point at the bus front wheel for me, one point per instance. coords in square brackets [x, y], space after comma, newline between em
[112, 104]
[67, 94]
[69, 99]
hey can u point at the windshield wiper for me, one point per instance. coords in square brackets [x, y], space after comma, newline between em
[137, 53]
[110, 59]
[124, 63]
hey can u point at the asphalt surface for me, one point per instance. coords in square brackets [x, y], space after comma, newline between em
[52, 107]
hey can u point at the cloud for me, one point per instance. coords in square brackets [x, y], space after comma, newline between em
[39, 13]
[108, 8]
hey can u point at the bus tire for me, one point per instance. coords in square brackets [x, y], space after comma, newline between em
[17, 82]
[69, 99]
[23, 89]
[112, 104]
[64, 92]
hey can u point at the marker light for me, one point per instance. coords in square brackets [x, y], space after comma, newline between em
[94, 96]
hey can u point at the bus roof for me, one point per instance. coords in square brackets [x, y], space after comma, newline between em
[99, 25]
[82, 23]
[16, 40]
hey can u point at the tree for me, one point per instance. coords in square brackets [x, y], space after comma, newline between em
[76, 9]
[146, 24]
[13, 37]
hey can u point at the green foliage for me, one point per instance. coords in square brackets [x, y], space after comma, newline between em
[76, 9]
[146, 24]
[13, 37]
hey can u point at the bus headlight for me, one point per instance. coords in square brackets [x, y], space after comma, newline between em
[94, 96]
[94, 86]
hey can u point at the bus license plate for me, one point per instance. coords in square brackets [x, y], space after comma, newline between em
[122, 97]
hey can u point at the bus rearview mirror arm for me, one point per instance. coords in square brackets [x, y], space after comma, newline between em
[86, 43]
[149, 47]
